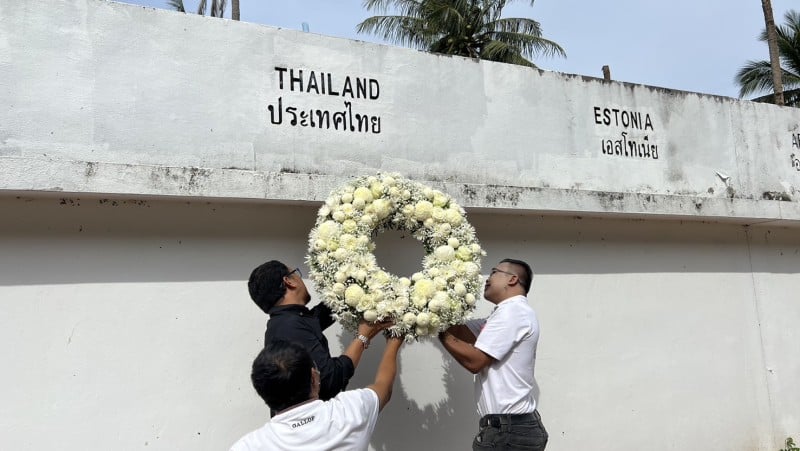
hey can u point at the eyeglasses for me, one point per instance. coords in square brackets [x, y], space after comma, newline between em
[296, 270]
[495, 270]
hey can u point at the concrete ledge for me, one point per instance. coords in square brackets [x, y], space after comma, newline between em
[96, 178]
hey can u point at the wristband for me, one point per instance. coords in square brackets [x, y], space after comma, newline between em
[364, 340]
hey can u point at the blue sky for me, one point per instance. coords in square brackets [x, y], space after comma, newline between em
[691, 45]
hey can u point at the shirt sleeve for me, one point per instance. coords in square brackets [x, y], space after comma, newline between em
[503, 329]
[324, 314]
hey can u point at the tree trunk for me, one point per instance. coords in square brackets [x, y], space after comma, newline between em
[774, 55]
[235, 9]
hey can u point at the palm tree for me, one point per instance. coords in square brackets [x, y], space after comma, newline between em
[217, 7]
[757, 76]
[471, 28]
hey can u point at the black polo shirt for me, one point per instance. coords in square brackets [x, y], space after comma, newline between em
[298, 324]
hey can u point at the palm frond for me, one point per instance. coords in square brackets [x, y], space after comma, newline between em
[177, 5]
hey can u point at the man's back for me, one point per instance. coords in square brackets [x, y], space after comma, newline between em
[346, 422]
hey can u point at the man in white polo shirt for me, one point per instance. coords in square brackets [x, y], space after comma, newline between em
[285, 376]
[501, 351]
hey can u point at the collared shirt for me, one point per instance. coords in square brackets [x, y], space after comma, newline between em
[510, 336]
[298, 324]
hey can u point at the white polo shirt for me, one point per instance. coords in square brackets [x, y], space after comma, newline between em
[510, 335]
[345, 422]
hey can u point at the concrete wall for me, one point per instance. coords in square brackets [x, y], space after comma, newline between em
[143, 175]
[111, 98]
[127, 325]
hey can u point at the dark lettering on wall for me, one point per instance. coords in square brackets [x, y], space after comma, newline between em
[325, 83]
[629, 143]
[310, 81]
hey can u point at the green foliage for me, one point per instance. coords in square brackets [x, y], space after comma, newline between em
[790, 446]
[756, 76]
[470, 28]
[217, 7]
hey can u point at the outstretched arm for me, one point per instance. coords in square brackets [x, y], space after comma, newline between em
[356, 347]
[387, 370]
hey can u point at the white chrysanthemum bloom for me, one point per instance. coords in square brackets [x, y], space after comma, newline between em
[406, 195]
[437, 214]
[338, 216]
[340, 254]
[353, 294]
[409, 319]
[389, 180]
[381, 208]
[371, 316]
[363, 193]
[367, 220]
[349, 226]
[444, 253]
[320, 245]
[417, 276]
[331, 201]
[348, 210]
[377, 189]
[327, 230]
[453, 242]
[361, 275]
[347, 198]
[471, 269]
[459, 289]
[324, 211]
[424, 288]
[423, 319]
[439, 199]
[394, 192]
[423, 210]
[340, 277]
[470, 299]
[359, 204]
[332, 245]
[464, 253]
[440, 283]
[475, 248]
[338, 288]
[453, 217]
[419, 301]
[428, 193]
[404, 281]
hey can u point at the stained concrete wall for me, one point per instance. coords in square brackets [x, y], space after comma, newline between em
[142, 176]
[110, 98]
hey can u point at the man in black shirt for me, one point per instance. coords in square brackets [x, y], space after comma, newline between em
[282, 294]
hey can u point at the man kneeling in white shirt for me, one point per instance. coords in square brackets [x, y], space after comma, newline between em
[284, 375]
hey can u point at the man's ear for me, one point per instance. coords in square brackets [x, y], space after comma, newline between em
[289, 282]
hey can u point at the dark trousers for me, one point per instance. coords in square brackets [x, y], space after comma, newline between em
[511, 432]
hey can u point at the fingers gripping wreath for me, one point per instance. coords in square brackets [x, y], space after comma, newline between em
[346, 272]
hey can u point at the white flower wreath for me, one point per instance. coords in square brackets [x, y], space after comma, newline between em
[346, 273]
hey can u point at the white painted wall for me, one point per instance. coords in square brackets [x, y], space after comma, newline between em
[142, 178]
[127, 325]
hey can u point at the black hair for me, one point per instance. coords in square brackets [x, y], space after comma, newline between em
[281, 374]
[524, 279]
[266, 284]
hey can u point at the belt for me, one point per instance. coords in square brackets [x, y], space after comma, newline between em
[495, 420]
